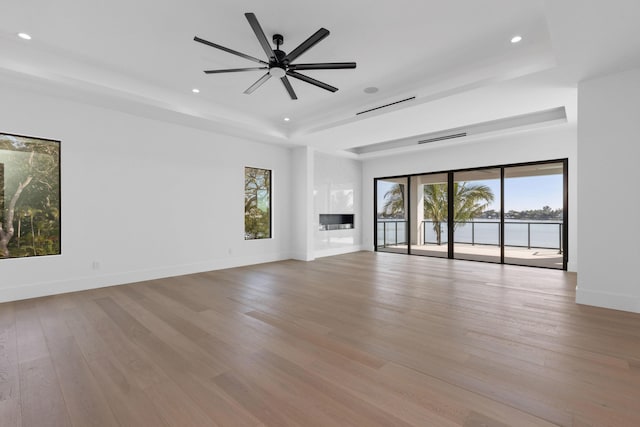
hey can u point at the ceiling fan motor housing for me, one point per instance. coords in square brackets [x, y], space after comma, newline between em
[278, 65]
[280, 55]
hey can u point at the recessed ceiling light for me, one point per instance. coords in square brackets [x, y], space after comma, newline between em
[516, 39]
[24, 36]
[195, 90]
[371, 89]
[286, 119]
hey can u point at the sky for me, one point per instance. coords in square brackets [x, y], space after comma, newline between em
[526, 193]
[532, 192]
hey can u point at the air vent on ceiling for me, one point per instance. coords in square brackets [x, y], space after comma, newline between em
[532, 120]
[386, 105]
[443, 137]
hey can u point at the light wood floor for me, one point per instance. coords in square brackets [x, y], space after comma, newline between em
[363, 339]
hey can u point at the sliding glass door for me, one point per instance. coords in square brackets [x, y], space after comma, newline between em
[534, 215]
[476, 213]
[392, 215]
[511, 214]
[429, 231]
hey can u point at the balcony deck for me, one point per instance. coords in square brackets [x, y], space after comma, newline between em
[535, 257]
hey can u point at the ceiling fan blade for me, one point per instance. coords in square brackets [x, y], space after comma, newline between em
[323, 66]
[234, 70]
[287, 85]
[257, 29]
[226, 49]
[257, 84]
[307, 44]
[312, 81]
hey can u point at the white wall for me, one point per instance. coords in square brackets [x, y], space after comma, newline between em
[142, 198]
[609, 125]
[337, 189]
[302, 204]
[552, 143]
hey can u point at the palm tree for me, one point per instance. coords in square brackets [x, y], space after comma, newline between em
[436, 207]
[394, 202]
[469, 201]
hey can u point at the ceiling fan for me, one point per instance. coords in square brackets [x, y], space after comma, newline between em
[279, 63]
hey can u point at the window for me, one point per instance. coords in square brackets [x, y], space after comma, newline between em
[391, 214]
[257, 203]
[29, 196]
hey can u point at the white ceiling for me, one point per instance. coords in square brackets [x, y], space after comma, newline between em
[454, 56]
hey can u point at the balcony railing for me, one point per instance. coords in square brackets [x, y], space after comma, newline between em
[392, 233]
[522, 234]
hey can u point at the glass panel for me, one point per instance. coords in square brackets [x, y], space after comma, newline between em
[29, 196]
[429, 220]
[391, 215]
[257, 203]
[533, 206]
[476, 210]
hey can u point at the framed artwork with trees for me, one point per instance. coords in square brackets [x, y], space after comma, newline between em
[29, 196]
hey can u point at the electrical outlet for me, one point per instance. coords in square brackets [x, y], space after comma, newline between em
[95, 265]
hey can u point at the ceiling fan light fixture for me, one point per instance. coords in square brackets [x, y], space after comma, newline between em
[516, 39]
[277, 72]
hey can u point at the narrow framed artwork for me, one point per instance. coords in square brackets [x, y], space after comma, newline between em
[29, 196]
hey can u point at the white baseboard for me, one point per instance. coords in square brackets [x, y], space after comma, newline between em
[337, 251]
[302, 256]
[74, 284]
[608, 300]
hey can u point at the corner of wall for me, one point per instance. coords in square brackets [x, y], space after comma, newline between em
[302, 256]
[608, 300]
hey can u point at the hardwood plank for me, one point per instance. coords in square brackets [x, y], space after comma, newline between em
[111, 341]
[41, 398]
[189, 377]
[9, 370]
[175, 409]
[9, 385]
[250, 399]
[129, 403]
[83, 397]
[357, 339]
[31, 343]
[10, 414]
[40, 395]
[361, 412]
[319, 339]
[165, 337]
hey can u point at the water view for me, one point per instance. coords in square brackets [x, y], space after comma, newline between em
[417, 212]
